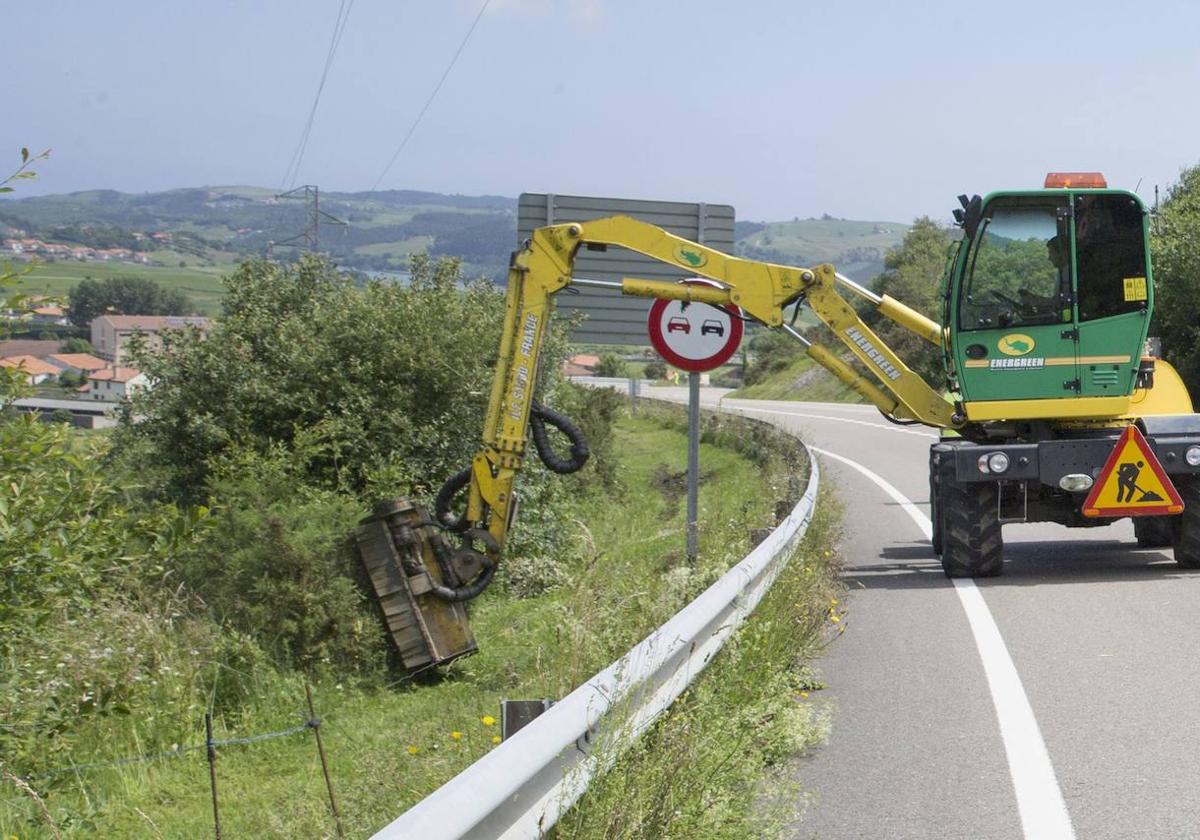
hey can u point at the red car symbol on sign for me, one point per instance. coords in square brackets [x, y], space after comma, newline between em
[678, 324]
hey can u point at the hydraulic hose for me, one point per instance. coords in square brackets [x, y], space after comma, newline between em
[441, 504]
[480, 582]
[893, 420]
[539, 416]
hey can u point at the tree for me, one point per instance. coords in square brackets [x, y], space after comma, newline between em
[656, 369]
[1176, 249]
[368, 387]
[12, 383]
[69, 380]
[75, 344]
[610, 364]
[911, 275]
[124, 295]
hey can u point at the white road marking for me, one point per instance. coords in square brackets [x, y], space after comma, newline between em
[1039, 800]
[887, 427]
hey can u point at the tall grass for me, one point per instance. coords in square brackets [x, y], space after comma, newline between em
[712, 767]
[392, 744]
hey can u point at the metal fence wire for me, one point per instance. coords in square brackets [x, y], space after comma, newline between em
[177, 752]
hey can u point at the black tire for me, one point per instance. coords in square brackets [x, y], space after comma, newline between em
[972, 546]
[1185, 531]
[1153, 531]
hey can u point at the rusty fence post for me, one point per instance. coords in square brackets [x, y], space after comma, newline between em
[314, 723]
[212, 771]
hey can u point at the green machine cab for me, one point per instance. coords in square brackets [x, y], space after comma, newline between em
[1049, 297]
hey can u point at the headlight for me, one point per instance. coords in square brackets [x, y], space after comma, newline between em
[998, 462]
[1192, 456]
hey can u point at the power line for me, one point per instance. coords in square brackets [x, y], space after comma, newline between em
[429, 101]
[339, 27]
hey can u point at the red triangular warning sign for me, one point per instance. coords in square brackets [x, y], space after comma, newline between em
[1133, 482]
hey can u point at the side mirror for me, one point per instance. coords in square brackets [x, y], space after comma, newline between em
[972, 216]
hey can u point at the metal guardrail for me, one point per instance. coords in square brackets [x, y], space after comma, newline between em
[522, 787]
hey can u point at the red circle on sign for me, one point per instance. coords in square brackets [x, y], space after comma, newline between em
[661, 325]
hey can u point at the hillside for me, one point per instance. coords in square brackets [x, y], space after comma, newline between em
[193, 235]
[856, 248]
[211, 226]
[801, 379]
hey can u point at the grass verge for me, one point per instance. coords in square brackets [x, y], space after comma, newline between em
[714, 765]
[389, 746]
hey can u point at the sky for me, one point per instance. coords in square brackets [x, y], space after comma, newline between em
[865, 110]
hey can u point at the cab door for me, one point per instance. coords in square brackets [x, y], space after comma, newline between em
[1017, 336]
[1115, 291]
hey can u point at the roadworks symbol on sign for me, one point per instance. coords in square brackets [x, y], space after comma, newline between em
[1133, 482]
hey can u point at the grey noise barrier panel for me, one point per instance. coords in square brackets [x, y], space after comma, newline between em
[521, 788]
[613, 318]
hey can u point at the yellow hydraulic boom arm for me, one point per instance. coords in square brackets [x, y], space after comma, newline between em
[762, 290]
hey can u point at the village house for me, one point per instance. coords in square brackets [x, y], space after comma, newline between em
[112, 334]
[49, 314]
[581, 364]
[80, 364]
[115, 384]
[36, 371]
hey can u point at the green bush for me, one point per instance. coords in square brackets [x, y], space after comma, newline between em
[67, 531]
[771, 352]
[655, 369]
[82, 627]
[383, 388]
[610, 364]
[275, 564]
[1176, 246]
[75, 344]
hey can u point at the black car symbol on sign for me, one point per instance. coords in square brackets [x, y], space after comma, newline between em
[679, 324]
[712, 326]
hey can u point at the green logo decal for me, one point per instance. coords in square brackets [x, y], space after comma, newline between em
[1015, 344]
[689, 256]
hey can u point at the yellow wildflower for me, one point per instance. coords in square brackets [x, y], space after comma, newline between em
[835, 619]
[495, 739]
[488, 720]
[413, 750]
[456, 735]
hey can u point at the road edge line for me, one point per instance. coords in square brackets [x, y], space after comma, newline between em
[1043, 810]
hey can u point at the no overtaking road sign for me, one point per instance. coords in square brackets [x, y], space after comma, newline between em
[694, 336]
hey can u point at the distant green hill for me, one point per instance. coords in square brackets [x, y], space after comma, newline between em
[856, 248]
[215, 225]
[202, 231]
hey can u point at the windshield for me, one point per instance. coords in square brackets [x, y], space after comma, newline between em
[1019, 272]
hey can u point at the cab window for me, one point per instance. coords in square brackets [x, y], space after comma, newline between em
[1018, 269]
[1110, 252]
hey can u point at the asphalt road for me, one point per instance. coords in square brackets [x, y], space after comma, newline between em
[1091, 729]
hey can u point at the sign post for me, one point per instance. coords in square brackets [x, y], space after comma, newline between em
[694, 337]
